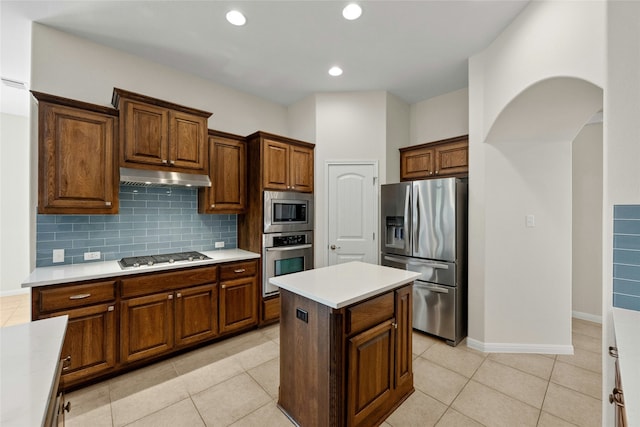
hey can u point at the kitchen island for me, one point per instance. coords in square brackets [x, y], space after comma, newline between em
[345, 344]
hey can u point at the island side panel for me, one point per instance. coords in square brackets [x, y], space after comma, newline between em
[304, 360]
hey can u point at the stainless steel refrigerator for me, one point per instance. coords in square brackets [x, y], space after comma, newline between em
[424, 229]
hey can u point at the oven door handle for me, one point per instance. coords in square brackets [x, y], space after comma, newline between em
[288, 248]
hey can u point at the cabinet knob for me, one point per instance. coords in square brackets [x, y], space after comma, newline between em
[107, 203]
[437, 172]
[66, 363]
[223, 286]
[164, 161]
[111, 308]
[179, 295]
[395, 325]
[213, 206]
[170, 296]
[172, 162]
[67, 407]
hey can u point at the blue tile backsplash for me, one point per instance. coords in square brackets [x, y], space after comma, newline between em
[626, 256]
[152, 220]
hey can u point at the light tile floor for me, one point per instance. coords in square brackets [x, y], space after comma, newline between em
[235, 383]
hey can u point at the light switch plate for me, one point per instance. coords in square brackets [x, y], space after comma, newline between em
[531, 221]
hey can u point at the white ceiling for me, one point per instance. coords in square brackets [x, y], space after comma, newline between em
[413, 49]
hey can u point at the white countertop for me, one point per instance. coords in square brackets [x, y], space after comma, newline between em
[341, 285]
[64, 273]
[627, 328]
[29, 355]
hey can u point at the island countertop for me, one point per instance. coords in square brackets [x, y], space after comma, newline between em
[29, 359]
[341, 285]
[64, 273]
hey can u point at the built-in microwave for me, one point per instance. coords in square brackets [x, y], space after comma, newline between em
[287, 211]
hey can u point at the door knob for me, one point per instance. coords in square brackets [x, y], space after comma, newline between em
[334, 247]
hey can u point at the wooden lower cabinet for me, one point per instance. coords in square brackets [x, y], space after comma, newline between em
[154, 324]
[352, 366]
[238, 304]
[146, 326]
[139, 318]
[90, 342]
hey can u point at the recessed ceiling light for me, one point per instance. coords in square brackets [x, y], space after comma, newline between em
[236, 18]
[352, 11]
[335, 71]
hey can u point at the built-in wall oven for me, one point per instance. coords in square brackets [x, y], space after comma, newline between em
[285, 253]
[286, 211]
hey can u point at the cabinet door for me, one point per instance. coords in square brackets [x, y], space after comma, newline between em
[452, 159]
[188, 142]
[370, 373]
[238, 304]
[301, 169]
[404, 317]
[416, 164]
[90, 341]
[228, 172]
[196, 314]
[76, 164]
[146, 128]
[276, 165]
[146, 326]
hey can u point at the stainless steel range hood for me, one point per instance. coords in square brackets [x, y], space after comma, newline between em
[144, 177]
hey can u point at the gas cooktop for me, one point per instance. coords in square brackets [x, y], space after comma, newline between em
[149, 260]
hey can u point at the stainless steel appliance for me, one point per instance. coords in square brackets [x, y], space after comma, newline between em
[149, 260]
[287, 211]
[285, 253]
[424, 229]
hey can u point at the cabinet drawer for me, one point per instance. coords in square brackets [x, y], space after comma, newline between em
[369, 313]
[238, 269]
[158, 282]
[65, 297]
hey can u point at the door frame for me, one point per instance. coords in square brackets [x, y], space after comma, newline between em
[376, 219]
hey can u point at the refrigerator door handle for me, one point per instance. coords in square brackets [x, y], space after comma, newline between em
[416, 262]
[407, 207]
[416, 220]
[433, 288]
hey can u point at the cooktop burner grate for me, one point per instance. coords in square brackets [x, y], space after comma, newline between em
[149, 260]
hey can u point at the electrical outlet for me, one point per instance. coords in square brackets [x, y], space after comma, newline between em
[88, 256]
[219, 244]
[58, 255]
[531, 220]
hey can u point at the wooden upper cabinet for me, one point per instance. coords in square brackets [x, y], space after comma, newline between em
[157, 134]
[77, 145]
[445, 158]
[288, 165]
[228, 173]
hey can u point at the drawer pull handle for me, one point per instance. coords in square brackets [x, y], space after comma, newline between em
[240, 270]
[79, 296]
[66, 363]
[110, 308]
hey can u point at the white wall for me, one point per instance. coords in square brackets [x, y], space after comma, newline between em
[511, 267]
[441, 117]
[65, 65]
[621, 150]
[398, 118]
[349, 126]
[587, 217]
[14, 208]
[301, 118]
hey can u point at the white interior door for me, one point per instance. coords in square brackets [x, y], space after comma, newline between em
[352, 203]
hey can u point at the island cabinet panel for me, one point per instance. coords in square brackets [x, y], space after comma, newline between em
[76, 157]
[345, 367]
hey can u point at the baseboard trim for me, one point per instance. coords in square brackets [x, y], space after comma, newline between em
[518, 348]
[15, 292]
[586, 316]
